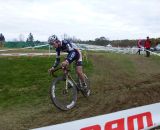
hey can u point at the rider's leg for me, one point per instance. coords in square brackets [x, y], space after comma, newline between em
[79, 69]
[82, 78]
[76, 55]
[80, 73]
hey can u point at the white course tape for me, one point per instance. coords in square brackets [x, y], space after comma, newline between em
[122, 50]
[144, 117]
[153, 53]
[29, 54]
[24, 48]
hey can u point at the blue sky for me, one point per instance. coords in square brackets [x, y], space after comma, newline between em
[84, 19]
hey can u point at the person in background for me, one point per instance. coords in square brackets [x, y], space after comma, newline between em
[147, 46]
[139, 45]
[2, 39]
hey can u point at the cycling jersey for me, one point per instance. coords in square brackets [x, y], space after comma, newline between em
[147, 44]
[74, 53]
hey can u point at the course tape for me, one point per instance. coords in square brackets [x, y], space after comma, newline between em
[144, 117]
[29, 54]
[123, 50]
[26, 54]
[24, 48]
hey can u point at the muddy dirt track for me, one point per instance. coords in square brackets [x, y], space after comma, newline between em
[118, 82]
[115, 87]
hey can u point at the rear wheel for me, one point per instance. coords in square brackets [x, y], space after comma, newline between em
[62, 98]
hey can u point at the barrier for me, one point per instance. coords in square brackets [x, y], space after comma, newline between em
[94, 48]
[144, 117]
[29, 54]
[24, 48]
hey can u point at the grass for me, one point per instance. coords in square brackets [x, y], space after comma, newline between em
[23, 80]
[118, 82]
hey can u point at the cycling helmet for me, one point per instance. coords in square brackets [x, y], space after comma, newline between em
[52, 39]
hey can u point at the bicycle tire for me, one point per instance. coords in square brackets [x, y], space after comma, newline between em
[63, 102]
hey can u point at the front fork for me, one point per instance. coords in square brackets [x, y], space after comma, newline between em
[66, 88]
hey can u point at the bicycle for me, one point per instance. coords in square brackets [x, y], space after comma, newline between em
[64, 90]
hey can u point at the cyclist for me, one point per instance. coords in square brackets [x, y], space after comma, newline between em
[74, 54]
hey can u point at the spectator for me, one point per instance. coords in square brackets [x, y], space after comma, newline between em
[147, 46]
[2, 39]
[139, 45]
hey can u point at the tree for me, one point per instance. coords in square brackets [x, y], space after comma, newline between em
[21, 38]
[30, 38]
[67, 37]
[101, 41]
[64, 36]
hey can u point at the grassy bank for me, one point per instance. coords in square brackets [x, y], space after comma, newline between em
[25, 80]
[118, 82]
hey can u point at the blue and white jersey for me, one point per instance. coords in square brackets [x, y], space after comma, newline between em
[66, 46]
[72, 50]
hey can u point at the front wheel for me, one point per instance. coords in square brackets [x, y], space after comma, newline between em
[63, 97]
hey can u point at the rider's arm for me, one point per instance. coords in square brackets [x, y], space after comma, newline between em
[57, 61]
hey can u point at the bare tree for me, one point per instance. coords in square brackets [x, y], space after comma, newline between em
[64, 36]
[30, 38]
[21, 38]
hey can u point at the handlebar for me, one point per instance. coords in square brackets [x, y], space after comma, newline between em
[57, 69]
[65, 70]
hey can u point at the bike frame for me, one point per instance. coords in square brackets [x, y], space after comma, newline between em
[67, 76]
[69, 86]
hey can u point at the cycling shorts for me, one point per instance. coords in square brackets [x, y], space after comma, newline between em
[75, 55]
